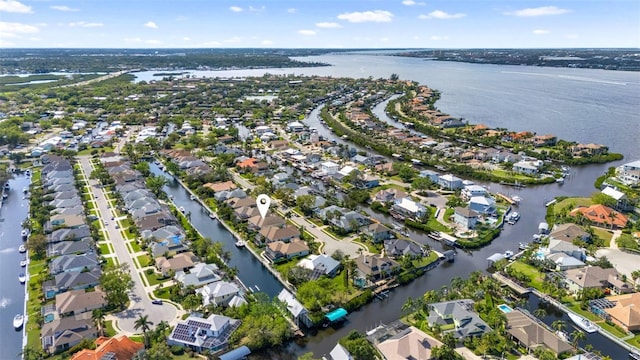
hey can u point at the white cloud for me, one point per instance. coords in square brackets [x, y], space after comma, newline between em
[266, 42]
[151, 25]
[306, 32]
[85, 24]
[367, 16]
[539, 11]
[541, 31]
[236, 8]
[291, 10]
[328, 25]
[412, 2]
[63, 8]
[260, 9]
[186, 38]
[14, 6]
[439, 14]
[15, 30]
[438, 38]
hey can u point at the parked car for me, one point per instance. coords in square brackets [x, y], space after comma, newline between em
[156, 302]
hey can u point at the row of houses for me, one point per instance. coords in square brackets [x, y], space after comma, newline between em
[74, 266]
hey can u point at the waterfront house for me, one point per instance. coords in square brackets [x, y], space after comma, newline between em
[569, 232]
[626, 311]
[230, 194]
[73, 263]
[622, 202]
[470, 191]
[410, 343]
[320, 265]
[430, 174]
[201, 274]
[465, 217]
[528, 167]
[340, 353]
[179, 262]
[560, 246]
[401, 247]
[284, 234]
[601, 215]
[70, 247]
[117, 348]
[377, 232]
[531, 334]
[618, 286]
[389, 195]
[71, 280]
[450, 182]
[329, 168]
[218, 293]
[461, 314]
[220, 186]
[65, 220]
[587, 278]
[63, 333]
[375, 267]
[482, 205]
[407, 207]
[74, 302]
[199, 334]
[258, 222]
[153, 222]
[167, 246]
[280, 251]
[330, 212]
[350, 221]
[295, 308]
[629, 173]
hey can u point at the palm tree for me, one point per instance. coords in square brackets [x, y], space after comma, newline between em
[98, 318]
[31, 353]
[558, 325]
[540, 313]
[143, 324]
[409, 305]
[576, 336]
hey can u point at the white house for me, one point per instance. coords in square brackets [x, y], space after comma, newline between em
[470, 191]
[219, 292]
[528, 167]
[629, 173]
[324, 264]
[295, 126]
[329, 167]
[450, 182]
[465, 217]
[262, 129]
[482, 204]
[408, 207]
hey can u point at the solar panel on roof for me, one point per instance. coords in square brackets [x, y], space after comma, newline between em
[199, 324]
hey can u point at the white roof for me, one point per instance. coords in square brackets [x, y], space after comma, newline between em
[475, 188]
[410, 205]
[293, 305]
[482, 200]
[295, 124]
[346, 170]
[613, 193]
[449, 177]
[330, 164]
[323, 261]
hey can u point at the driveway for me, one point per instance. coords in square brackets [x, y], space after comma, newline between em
[140, 303]
[330, 244]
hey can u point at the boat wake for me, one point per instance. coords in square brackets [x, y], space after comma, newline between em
[7, 250]
[4, 302]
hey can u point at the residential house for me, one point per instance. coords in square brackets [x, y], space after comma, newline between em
[201, 334]
[320, 265]
[179, 262]
[617, 285]
[170, 233]
[386, 168]
[626, 312]
[67, 221]
[430, 174]
[201, 274]
[329, 167]
[73, 263]
[63, 333]
[74, 302]
[532, 335]
[220, 186]
[280, 251]
[410, 343]
[230, 194]
[367, 181]
[350, 221]
[622, 202]
[407, 207]
[116, 348]
[296, 309]
[339, 352]
[330, 212]
[629, 173]
[402, 247]
[461, 314]
[528, 167]
[219, 292]
[470, 191]
[465, 217]
[285, 234]
[167, 247]
[482, 205]
[377, 232]
[71, 281]
[564, 254]
[587, 278]
[372, 267]
[569, 232]
[258, 222]
[389, 195]
[601, 215]
[450, 182]
[70, 247]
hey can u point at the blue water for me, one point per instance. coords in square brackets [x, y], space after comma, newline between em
[505, 308]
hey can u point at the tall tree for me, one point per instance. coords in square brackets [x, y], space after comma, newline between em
[116, 282]
[98, 316]
[143, 324]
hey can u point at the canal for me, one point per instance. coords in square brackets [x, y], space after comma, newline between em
[14, 211]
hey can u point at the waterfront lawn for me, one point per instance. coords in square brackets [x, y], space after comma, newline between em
[536, 278]
[35, 176]
[603, 234]
[635, 341]
[144, 260]
[448, 214]
[436, 225]
[575, 306]
[572, 203]
[613, 330]
[509, 176]
[422, 262]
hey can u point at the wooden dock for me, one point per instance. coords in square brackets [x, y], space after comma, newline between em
[506, 198]
[510, 283]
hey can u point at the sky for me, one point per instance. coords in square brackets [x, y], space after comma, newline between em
[319, 23]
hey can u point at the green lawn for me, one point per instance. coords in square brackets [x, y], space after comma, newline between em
[425, 260]
[575, 306]
[635, 341]
[109, 329]
[144, 260]
[613, 330]
[437, 225]
[510, 176]
[603, 234]
[155, 279]
[536, 277]
[447, 214]
[162, 293]
[135, 246]
[111, 262]
[370, 247]
[104, 249]
[572, 202]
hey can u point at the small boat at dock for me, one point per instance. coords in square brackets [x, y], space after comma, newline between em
[634, 355]
[508, 254]
[212, 215]
[193, 197]
[240, 244]
[22, 249]
[18, 321]
[24, 263]
[181, 208]
[25, 189]
[22, 278]
[583, 323]
[24, 234]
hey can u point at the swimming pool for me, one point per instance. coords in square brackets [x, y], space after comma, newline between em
[505, 308]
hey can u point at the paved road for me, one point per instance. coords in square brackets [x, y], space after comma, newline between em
[140, 303]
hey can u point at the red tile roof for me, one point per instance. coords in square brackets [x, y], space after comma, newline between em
[601, 214]
[122, 346]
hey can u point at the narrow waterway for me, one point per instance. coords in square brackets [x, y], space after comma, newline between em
[14, 211]
[250, 270]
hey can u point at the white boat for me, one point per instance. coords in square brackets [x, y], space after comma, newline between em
[28, 172]
[634, 355]
[18, 321]
[24, 263]
[6, 186]
[181, 209]
[24, 234]
[22, 278]
[240, 243]
[25, 190]
[523, 246]
[560, 180]
[583, 323]
[193, 197]
[508, 254]
[515, 216]
[5, 195]
[517, 199]
[22, 249]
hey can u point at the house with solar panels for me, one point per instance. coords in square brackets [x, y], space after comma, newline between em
[201, 334]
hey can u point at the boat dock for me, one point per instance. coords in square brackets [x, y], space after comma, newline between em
[506, 198]
[521, 290]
